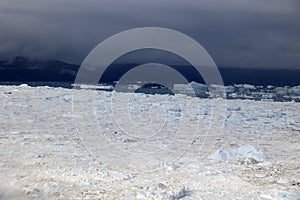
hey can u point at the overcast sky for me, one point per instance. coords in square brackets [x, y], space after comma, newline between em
[236, 33]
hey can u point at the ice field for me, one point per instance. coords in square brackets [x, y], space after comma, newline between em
[61, 143]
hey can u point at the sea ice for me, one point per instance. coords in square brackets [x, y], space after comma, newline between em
[244, 151]
[274, 194]
[162, 192]
[234, 108]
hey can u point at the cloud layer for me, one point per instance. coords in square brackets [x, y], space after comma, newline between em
[237, 33]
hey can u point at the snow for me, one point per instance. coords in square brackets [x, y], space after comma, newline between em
[244, 151]
[160, 191]
[274, 194]
[234, 108]
[60, 143]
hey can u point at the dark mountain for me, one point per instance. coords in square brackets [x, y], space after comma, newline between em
[276, 77]
[21, 69]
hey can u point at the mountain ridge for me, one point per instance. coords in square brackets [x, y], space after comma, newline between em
[22, 69]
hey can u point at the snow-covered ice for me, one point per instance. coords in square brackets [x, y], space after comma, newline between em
[60, 143]
[245, 151]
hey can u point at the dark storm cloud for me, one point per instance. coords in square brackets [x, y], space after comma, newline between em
[245, 33]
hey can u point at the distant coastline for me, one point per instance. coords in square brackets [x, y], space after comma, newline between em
[22, 70]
